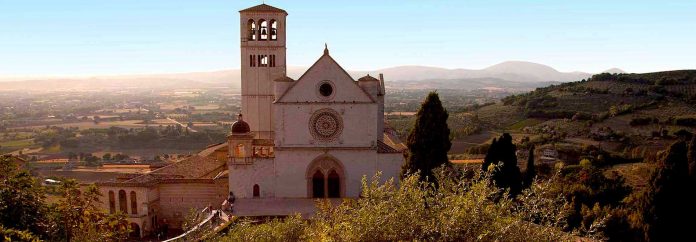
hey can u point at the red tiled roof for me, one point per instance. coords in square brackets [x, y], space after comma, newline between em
[385, 148]
[192, 168]
[390, 143]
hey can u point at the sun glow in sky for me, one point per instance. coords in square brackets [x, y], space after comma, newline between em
[93, 37]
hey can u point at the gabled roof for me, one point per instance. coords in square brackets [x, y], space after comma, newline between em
[264, 8]
[328, 59]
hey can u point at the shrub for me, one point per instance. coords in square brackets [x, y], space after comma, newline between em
[459, 210]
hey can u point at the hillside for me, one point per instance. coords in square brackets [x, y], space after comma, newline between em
[634, 115]
[510, 74]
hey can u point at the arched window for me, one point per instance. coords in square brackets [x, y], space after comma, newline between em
[274, 29]
[264, 29]
[318, 185]
[134, 202]
[112, 202]
[122, 202]
[251, 27]
[257, 191]
[334, 184]
[239, 151]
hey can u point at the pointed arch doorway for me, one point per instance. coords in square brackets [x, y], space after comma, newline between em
[325, 178]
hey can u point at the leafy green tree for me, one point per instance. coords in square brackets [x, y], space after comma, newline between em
[506, 174]
[429, 141]
[81, 218]
[106, 156]
[75, 217]
[530, 173]
[664, 207]
[21, 200]
[91, 160]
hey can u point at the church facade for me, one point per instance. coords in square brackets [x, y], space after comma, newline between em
[314, 137]
[295, 141]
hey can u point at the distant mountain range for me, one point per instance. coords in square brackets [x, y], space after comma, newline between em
[513, 73]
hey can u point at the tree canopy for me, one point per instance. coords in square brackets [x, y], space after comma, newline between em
[665, 207]
[429, 140]
[26, 215]
[501, 162]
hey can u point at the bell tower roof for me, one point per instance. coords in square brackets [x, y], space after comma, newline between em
[264, 8]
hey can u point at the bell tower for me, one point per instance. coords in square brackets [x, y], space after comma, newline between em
[262, 31]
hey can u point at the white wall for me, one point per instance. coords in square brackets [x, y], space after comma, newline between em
[243, 177]
[292, 125]
[285, 176]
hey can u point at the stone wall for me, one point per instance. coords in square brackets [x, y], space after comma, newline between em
[177, 199]
[242, 178]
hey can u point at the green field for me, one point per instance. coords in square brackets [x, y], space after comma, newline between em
[17, 144]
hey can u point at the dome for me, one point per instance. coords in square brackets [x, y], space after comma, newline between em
[368, 78]
[240, 127]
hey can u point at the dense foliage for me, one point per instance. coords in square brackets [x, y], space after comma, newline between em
[22, 198]
[459, 209]
[655, 78]
[26, 215]
[664, 210]
[429, 140]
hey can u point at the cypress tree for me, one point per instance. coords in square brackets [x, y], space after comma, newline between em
[664, 206]
[491, 155]
[429, 141]
[530, 173]
[506, 175]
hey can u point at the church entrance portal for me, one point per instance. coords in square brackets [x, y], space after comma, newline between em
[325, 178]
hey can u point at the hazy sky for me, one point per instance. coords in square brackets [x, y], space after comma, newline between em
[86, 37]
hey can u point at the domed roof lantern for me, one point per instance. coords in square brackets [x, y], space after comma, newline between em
[240, 127]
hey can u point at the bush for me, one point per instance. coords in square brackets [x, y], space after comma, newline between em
[16, 235]
[456, 211]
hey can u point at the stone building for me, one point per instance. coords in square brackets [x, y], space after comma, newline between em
[295, 140]
[313, 137]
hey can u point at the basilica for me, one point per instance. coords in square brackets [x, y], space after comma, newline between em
[295, 140]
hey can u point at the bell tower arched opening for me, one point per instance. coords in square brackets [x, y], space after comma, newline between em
[274, 29]
[263, 33]
[251, 28]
